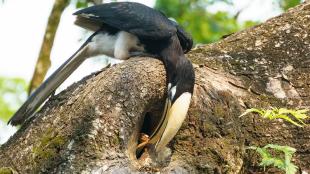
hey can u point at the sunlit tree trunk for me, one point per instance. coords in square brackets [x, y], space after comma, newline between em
[44, 62]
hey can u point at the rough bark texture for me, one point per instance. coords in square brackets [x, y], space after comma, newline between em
[93, 125]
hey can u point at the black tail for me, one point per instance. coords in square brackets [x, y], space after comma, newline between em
[50, 84]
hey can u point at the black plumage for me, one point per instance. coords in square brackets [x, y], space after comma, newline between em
[134, 18]
[132, 29]
[149, 25]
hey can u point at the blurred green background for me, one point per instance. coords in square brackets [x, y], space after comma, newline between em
[204, 19]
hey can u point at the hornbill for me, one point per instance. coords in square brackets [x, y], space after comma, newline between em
[123, 30]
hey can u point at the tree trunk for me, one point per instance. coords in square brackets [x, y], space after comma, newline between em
[93, 126]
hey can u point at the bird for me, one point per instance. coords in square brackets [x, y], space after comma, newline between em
[122, 30]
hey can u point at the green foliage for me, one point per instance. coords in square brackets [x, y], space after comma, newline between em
[282, 113]
[205, 27]
[81, 4]
[268, 159]
[286, 4]
[12, 94]
[87, 3]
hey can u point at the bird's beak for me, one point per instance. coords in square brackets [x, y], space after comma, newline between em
[173, 119]
[156, 135]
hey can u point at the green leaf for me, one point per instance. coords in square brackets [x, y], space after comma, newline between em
[282, 113]
[268, 160]
[291, 169]
[252, 110]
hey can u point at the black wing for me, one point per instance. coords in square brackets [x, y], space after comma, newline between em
[132, 17]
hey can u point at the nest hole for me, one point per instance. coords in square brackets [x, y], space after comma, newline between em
[150, 122]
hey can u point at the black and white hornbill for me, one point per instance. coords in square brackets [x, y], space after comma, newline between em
[123, 30]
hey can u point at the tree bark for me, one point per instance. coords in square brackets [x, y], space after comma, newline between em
[93, 126]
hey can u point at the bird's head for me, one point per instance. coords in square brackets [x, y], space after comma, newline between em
[184, 37]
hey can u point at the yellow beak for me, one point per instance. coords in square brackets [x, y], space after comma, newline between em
[172, 120]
